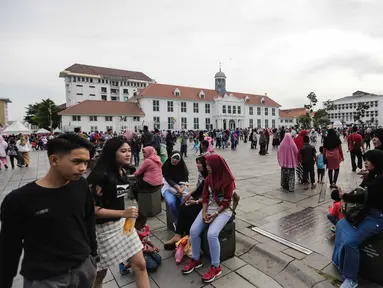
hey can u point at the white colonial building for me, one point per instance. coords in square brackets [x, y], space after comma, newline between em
[344, 109]
[164, 106]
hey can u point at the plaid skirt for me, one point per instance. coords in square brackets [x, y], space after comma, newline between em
[114, 246]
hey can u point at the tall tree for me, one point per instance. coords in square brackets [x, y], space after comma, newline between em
[329, 105]
[304, 121]
[46, 116]
[361, 112]
[31, 112]
[321, 118]
[313, 101]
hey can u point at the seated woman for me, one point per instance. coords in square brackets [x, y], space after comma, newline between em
[150, 173]
[216, 198]
[193, 205]
[175, 175]
[346, 255]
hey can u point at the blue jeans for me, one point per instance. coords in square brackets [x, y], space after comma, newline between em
[346, 255]
[136, 156]
[333, 219]
[215, 228]
[174, 202]
[153, 260]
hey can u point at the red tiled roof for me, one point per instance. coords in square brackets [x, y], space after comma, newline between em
[156, 90]
[103, 71]
[295, 112]
[99, 107]
[284, 114]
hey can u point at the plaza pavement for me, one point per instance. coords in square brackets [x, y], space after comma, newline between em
[260, 261]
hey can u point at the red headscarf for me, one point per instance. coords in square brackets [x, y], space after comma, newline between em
[299, 140]
[221, 175]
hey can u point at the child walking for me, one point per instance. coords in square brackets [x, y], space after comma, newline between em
[321, 165]
[334, 211]
[308, 156]
[152, 258]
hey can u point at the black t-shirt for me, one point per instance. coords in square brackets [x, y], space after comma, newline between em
[56, 228]
[114, 189]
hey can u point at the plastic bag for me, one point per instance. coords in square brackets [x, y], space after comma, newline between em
[183, 248]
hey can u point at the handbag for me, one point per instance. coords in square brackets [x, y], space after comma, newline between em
[355, 212]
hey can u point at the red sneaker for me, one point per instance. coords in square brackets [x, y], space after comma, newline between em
[191, 265]
[210, 275]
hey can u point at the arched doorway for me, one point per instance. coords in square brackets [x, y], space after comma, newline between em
[224, 124]
[231, 124]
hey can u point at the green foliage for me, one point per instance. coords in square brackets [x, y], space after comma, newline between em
[321, 118]
[43, 114]
[304, 121]
[361, 112]
[329, 105]
[313, 101]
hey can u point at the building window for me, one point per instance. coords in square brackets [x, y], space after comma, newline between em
[251, 122]
[273, 123]
[103, 89]
[196, 123]
[266, 123]
[108, 118]
[156, 122]
[207, 108]
[92, 86]
[228, 109]
[136, 119]
[207, 123]
[92, 95]
[266, 111]
[126, 98]
[126, 91]
[184, 123]
[156, 105]
[251, 111]
[78, 93]
[195, 107]
[273, 112]
[103, 97]
[259, 123]
[114, 98]
[183, 107]
[170, 106]
[224, 109]
[258, 110]
[239, 110]
[234, 109]
[76, 118]
[78, 85]
[170, 123]
[92, 118]
[113, 91]
[93, 128]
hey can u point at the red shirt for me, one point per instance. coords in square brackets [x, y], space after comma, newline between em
[335, 210]
[354, 137]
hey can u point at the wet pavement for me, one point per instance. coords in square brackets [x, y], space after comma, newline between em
[259, 261]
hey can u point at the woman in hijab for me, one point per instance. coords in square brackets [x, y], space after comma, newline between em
[169, 143]
[333, 154]
[150, 170]
[175, 174]
[3, 152]
[346, 255]
[193, 205]
[299, 143]
[262, 143]
[288, 159]
[216, 198]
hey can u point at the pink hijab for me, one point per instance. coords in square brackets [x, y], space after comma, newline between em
[150, 153]
[210, 149]
[287, 152]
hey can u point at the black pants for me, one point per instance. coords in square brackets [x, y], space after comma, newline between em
[358, 155]
[308, 170]
[12, 160]
[187, 215]
[335, 179]
[184, 149]
[169, 151]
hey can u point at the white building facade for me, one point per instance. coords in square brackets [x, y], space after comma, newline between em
[163, 107]
[344, 109]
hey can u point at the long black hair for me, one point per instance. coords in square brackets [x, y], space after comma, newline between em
[202, 160]
[376, 158]
[331, 141]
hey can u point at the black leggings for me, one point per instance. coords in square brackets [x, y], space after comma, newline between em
[335, 176]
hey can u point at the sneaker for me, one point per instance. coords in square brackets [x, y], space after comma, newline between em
[124, 269]
[333, 229]
[349, 284]
[6, 166]
[210, 275]
[191, 265]
[313, 185]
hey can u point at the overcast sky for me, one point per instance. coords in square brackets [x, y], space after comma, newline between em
[286, 48]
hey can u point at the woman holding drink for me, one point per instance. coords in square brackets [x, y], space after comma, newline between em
[116, 237]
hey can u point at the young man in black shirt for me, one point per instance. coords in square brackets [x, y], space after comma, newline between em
[308, 156]
[53, 220]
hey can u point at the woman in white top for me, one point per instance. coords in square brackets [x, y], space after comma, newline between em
[24, 147]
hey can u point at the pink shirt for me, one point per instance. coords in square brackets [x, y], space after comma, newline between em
[152, 172]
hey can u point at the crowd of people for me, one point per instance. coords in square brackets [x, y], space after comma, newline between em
[83, 226]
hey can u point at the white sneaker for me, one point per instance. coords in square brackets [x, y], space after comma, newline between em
[349, 284]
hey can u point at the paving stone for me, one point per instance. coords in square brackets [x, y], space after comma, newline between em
[113, 284]
[257, 278]
[163, 234]
[108, 277]
[270, 242]
[121, 279]
[294, 253]
[324, 284]
[155, 223]
[133, 285]
[243, 244]
[332, 271]
[232, 280]
[234, 263]
[316, 261]
[297, 275]
[266, 259]
[247, 232]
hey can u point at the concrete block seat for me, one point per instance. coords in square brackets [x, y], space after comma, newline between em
[169, 218]
[149, 201]
[371, 259]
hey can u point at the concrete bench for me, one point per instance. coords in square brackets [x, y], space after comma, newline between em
[149, 201]
[371, 259]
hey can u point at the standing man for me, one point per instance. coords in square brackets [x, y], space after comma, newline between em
[184, 144]
[109, 134]
[53, 220]
[147, 137]
[157, 142]
[355, 146]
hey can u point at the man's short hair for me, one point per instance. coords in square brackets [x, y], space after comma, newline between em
[354, 129]
[306, 139]
[65, 143]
